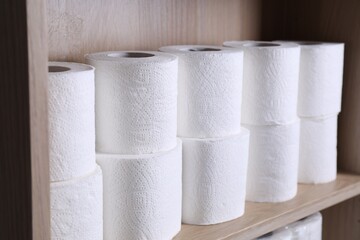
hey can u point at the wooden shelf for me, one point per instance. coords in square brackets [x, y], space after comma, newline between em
[261, 218]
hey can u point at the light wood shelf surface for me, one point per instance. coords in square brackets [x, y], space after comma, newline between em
[261, 218]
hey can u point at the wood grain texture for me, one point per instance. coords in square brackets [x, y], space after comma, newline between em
[37, 78]
[348, 214]
[23, 145]
[261, 218]
[76, 28]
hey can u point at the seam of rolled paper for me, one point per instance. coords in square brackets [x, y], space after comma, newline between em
[71, 181]
[137, 156]
[243, 132]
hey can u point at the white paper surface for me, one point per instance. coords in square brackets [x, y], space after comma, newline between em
[210, 89]
[214, 178]
[77, 207]
[136, 100]
[273, 162]
[270, 84]
[318, 150]
[71, 120]
[309, 228]
[280, 234]
[142, 195]
[321, 78]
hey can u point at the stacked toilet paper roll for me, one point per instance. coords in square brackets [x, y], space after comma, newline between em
[309, 228]
[280, 234]
[215, 147]
[320, 87]
[269, 102]
[76, 181]
[136, 96]
[136, 113]
[142, 195]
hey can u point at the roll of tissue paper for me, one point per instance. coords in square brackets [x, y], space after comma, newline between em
[280, 234]
[321, 77]
[214, 178]
[318, 150]
[270, 84]
[142, 195]
[308, 228]
[136, 97]
[71, 120]
[77, 207]
[210, 89]
[273, 162]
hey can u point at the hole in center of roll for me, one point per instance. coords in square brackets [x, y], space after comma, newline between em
[58, 69]
[308, 43]
[131, 55]
[204, 49]
[261, 45]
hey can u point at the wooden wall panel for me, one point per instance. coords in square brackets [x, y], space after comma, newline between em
[76, 28]
[37, 82]
[24, 182]
[342, 221]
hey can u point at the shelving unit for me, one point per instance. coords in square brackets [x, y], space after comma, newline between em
[261, 218]
[65, 30]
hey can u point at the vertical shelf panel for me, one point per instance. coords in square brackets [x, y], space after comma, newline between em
[24, 173]
[76, 28]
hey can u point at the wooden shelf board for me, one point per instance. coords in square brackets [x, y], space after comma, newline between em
[261, 218]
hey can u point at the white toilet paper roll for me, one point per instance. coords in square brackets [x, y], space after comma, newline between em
[77, 207]
[210, 89]
[71, 120]
[309, 228]
[321, 77]
[214, 178]
[318, 150]
[270, 85]
[273, 162]
[135, 101]
[280, 234]
[142, 195]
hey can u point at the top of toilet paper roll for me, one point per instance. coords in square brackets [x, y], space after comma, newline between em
[131, 57]
[197, 49]
[310, 44]
[56, 68]
[259, 44]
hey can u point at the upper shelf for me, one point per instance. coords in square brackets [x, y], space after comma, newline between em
[261, 218]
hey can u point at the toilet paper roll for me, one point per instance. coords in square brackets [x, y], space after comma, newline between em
[210, 89]
[318, 150]
[71, 120]
[309, 228]
[142, 195]
[273, 162]
[280, 234]
[270, 85]
[214, 178]
[76, 208]
[321, 77]
[135, 101]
